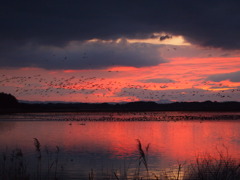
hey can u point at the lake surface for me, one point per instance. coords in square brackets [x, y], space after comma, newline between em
[107, 142]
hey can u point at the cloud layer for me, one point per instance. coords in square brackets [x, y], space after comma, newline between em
[208, 23]
[233, 77]
[158, 80]
[41, 33]
[87, 55]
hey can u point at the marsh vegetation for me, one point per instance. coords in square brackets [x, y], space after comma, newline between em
[45, 165]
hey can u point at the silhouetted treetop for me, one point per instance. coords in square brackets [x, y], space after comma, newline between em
[7, 100]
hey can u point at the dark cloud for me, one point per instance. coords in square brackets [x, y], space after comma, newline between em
[30, 30]
[162, 38]
[207, 22]
[233, 77]
[225, 55]
[157, 80]
[87, 55]
[219, 87]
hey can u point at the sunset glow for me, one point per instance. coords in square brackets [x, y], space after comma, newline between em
[129, 89]
[178, 79]
[124, 59]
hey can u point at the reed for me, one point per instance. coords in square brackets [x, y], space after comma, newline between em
[143, 158]
[211, 168]
[13, 166]
[91, 175]
[56, 162]
[39, 158]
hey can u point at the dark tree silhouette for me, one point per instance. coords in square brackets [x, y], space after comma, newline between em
[7, 100]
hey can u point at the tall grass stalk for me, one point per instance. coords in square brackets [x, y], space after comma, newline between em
[4, 159]
[39, 157]
[13, 167]
[211, 168]
[91, 175]
[143, 155]
[56, 161]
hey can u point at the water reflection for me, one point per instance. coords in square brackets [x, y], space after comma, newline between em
[106, 145]
[6, 126]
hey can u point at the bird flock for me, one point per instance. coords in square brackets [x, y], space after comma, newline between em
[97, 89]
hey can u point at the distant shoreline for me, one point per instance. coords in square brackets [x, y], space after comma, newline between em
[140, 106]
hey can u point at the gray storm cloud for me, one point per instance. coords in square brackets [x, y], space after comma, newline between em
[233, 77]
[208, 22]
[84, 55]
[28, 27]
[158, 80]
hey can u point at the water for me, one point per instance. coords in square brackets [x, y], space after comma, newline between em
[107, 142]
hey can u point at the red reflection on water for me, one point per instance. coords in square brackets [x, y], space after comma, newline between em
[181, 140]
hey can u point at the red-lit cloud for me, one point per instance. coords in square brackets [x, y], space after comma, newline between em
[189, 73]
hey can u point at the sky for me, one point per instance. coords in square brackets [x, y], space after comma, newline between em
[120, 51]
